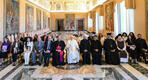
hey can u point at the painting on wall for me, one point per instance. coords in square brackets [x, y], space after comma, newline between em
[29, 18]
[59, 24]
[12, 16]
[38, 15]
[146, 19]
[80, 24]
[44, 20]
[70, 22]
[109, 16]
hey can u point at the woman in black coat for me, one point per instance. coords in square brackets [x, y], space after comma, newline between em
[15, 50]
[131, 46]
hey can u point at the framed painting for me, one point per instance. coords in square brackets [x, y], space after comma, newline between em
[12, 16]
[29, 18]
[44, 20]
[80, 24]
[38, 19]
[109, 16]
[70, 22]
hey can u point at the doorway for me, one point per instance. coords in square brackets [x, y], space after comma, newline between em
[80, 24]
[59, 24]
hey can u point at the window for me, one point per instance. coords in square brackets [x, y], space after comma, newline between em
[101, 23]
[90, 22]
[130, 20]
[123, 19]
[97, 22]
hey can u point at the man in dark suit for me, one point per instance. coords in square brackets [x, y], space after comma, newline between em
[48, 50]
[141, 47]
[44, 37]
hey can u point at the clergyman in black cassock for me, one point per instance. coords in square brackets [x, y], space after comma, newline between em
[111, 51]
[141, 48]
[96, 50]
[58, 52]
[85, 50]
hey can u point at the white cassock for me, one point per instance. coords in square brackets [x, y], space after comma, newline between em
[73, 53]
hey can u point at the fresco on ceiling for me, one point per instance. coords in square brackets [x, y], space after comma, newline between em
[65, 4]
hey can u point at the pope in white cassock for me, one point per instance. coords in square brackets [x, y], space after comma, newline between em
[73, 51]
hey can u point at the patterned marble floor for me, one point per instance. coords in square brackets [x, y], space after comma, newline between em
[76, 72]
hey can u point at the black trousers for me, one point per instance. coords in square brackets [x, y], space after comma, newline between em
[4, 55]
[133, 53]
[14, 57]
[96, 58]
[86, 58]
[141, 53]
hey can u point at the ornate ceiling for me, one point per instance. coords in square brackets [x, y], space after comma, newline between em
[68, 5]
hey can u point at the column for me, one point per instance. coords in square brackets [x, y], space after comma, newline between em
[1, 19]
[22, 6]
[35, 22]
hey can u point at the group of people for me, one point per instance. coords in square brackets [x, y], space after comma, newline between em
[41, 46]
[125, 48]
[15, 44]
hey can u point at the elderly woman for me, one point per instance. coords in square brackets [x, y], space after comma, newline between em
[121, 45]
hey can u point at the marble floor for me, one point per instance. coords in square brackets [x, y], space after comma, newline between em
[75, 72]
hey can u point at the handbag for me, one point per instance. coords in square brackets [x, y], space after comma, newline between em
[123, 54]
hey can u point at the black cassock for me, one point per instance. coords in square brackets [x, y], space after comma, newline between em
[96, 55]
[90, 39]
[85, 45]
[111, 57]
[58, 57]
[141, 44]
